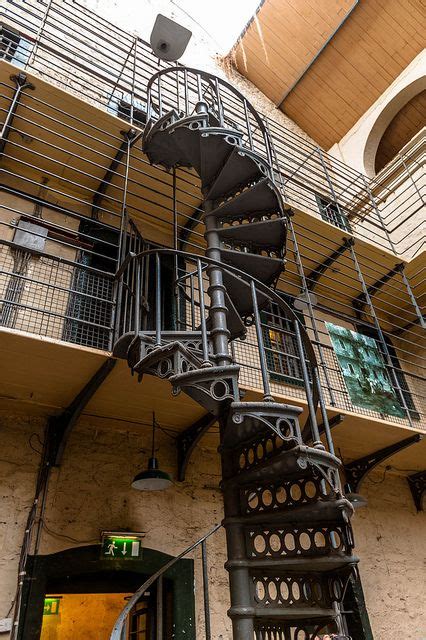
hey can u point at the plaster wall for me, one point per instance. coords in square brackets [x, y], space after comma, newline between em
[91, 491]
[398, 188]
[391, 543]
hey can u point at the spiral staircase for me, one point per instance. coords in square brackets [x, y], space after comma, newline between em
[289, 538]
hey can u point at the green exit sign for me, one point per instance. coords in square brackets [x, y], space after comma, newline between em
[122, 545]
[51, 606]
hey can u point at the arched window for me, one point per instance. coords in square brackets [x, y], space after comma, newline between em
[403, 127]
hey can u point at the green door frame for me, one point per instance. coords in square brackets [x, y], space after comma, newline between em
[81, 562]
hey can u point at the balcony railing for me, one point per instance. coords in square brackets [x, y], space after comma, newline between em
[77, 182]
[85, 54]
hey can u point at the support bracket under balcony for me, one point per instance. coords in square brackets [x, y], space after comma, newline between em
[357, 470]
[61, 426]
[333, 422]
[360, 301]
[130, 137]
[313, 277]
[417, 484]
[188, 439]
[21, 84]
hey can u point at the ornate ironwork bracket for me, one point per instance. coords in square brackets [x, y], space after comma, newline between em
[357, 470]
[60, 426]
[417, 484]
[187, 441]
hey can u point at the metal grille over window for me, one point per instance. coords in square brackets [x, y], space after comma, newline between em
[331, 212]
[282, 355]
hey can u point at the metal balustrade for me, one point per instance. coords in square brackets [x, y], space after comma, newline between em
[85, 54]
[66, 166]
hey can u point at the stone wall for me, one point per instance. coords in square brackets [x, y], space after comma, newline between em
[391, 543]
[91, 491]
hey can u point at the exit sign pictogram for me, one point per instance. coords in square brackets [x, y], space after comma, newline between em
[121, 545]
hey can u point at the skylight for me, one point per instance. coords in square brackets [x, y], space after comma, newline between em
[217, 23]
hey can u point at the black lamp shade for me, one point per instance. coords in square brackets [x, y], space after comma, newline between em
[152, 479]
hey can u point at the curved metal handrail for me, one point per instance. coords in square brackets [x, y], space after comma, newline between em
[314, 399]
[217, 82]
[117, 631]
[237, 273]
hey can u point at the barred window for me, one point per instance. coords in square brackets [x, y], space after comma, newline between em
[331, 212]
[282, 354]
[14, 47]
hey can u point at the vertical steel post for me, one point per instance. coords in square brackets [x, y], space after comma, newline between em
[157, 301]
[38, 36]
[206, 362]
[316, 440]
[419, 193]
[412, 296]
[376, 209]
[206, 591]
[159, 608]
[218, 309]
[267, 396]
[21, 84]
[305, 287]
[389, 362]
[175, 246]
[132, 103]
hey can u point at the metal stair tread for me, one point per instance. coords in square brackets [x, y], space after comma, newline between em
[240, 294]
[271, 566]
[285, 463]
[320, 511]
[215, 151]
[188, 141]
[264, 268]
[239, 169]
[261, 198]
[160, 147]
[264, 233]
[284, 613]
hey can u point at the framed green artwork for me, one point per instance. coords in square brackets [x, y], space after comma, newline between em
[364, 371]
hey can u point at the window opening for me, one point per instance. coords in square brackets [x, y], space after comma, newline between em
[282, 354]
[14, 48]
[331, 212]
[404, 389]
[120, 105]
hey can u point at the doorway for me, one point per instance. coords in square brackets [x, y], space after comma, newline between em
[77, 595]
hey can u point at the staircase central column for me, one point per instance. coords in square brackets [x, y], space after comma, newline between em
[218, 309]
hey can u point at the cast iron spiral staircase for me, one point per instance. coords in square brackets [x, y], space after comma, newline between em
[288, 529]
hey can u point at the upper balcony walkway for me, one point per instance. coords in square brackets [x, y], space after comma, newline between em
[84, 54]
[68, 169]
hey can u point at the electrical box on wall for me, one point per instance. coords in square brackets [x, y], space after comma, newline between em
[30, 236]
[5, 625]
